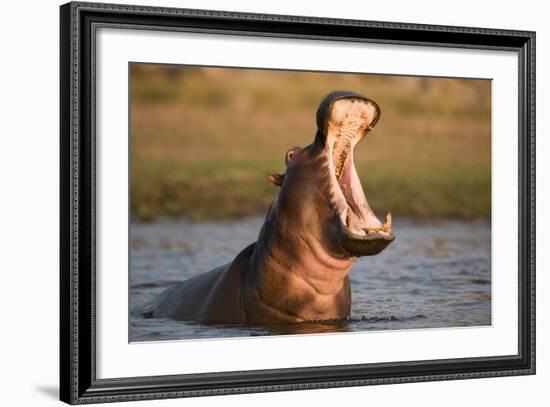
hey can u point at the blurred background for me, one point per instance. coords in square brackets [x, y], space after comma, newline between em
[202, 140]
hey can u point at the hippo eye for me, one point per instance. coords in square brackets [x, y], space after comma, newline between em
[289, 156]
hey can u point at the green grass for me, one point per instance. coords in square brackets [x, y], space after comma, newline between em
[202, 140]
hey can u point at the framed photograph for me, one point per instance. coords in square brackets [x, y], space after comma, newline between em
[254, 203]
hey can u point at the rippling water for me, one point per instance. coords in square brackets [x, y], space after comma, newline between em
[433, 275]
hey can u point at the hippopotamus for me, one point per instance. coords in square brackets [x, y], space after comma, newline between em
[315, 228]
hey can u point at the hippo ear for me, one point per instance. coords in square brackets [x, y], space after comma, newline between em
[275, 179]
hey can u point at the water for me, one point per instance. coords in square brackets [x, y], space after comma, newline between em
[433, 275]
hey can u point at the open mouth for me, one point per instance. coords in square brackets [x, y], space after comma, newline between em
[350, 119]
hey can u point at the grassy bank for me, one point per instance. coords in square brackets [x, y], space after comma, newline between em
[202, 140]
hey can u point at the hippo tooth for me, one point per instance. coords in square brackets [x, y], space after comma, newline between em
[387, 224]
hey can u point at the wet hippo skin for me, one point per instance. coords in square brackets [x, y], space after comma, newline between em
[314, 229]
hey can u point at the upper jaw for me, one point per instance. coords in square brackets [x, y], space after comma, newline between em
[347, 120]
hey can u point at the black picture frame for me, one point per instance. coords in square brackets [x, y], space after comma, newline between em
[78, 382]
